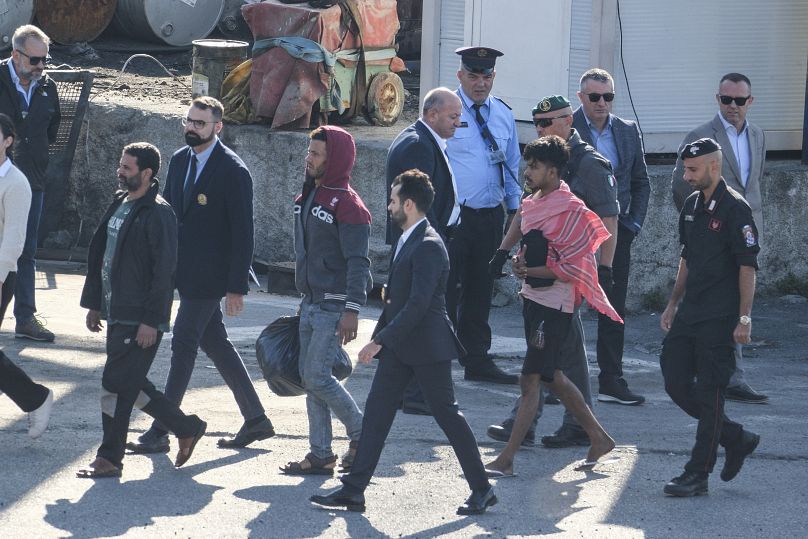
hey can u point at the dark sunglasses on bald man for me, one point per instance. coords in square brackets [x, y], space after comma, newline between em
[547, 122]
[36, 60]
[594, 97]
[727, 99]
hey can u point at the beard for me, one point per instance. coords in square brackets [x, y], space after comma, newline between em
[193, 140]
[131, 184]
[398, 218]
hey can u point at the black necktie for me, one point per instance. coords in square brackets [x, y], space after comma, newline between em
[189, 184]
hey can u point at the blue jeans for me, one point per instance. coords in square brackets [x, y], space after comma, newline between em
[324, 393]
[24, 302]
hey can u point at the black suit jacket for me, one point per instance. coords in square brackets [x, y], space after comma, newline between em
[216, 232]
[414, 327]
[415, 147]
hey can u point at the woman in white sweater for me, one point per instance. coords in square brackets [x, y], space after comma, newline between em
[15, 201]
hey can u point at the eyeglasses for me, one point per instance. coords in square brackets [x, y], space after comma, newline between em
[36, 60]
[595, 97]
[727, 99]
[547, 122]
[198, 124]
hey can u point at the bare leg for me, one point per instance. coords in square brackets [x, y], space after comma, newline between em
[524, 417]
[601, 442]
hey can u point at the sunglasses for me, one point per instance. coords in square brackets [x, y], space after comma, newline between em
[36, 60]
[740, 101]
[547, 122]
[595, 97]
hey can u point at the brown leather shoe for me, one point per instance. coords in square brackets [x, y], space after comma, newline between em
[187, 445]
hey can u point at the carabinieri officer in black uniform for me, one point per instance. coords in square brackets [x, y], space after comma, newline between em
[484, 157]
[716, 285]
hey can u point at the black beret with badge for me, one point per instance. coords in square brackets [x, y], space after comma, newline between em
[697, 148]
[478, 59]
[551, 103]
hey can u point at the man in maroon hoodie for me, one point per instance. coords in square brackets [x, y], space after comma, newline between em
[332, 232]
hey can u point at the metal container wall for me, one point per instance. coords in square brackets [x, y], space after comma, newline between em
[173, 22]
[232, 24]
[72, 21]
[15, 14]
[214, 59]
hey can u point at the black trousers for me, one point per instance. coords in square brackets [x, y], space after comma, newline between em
[697, 361]
[470, 285]
[19, 387]
[611, 335]
[124, 386]
[388, 385]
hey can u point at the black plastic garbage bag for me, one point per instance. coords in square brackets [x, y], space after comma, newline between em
[278, 353]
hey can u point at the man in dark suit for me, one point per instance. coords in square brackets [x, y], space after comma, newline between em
[210, 189]
[414, 336]
[423, 146]
[619, 141]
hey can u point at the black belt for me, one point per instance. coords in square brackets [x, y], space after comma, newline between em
[480, 211]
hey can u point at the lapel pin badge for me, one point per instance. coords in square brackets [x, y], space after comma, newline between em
[202, 199]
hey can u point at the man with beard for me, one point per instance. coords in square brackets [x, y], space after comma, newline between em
[130, 284]
[414, 337]
[15, 199]
[332, 272]
[210, 189]
[28, 96]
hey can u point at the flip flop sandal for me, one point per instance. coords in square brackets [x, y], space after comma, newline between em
[311, 465]
[499, 474]
[92, 473]
[587, 465]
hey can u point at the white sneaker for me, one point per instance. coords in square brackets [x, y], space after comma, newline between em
[38, 419]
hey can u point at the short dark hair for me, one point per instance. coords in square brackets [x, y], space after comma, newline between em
[7, 127]
[736, 77]
[146, 155]
[415, 186]
[596, 74]
[550, 150]
[205, 102]
[319, 134]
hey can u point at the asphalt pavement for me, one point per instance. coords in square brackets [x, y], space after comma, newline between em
[418, 483]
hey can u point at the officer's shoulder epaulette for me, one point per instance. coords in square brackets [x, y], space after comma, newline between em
[503, 102]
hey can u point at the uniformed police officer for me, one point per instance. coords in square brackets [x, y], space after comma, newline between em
[589, 176]
[484, 155]
[708, 312]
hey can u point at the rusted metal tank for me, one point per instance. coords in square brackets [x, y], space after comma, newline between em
[214, 59]
[232, 24]
[15, 14]
[173, 22]
[72, 21]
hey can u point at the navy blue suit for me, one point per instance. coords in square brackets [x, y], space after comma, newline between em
[215, 247]
[417, 339]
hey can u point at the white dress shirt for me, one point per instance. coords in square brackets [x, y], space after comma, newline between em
[740, 146]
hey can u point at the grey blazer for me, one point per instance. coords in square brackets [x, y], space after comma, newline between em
[729, 168]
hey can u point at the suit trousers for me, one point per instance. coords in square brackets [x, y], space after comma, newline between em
[124, 385]
[573, 363]
[200, 323]
[470, 285]
[388, 385]
[697, 361]
[19, 387]
[611, 335]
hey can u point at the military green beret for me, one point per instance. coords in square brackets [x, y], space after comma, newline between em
[551, 103]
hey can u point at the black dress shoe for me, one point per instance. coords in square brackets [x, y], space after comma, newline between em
[478, 502]
[687, 484]
[502, 433]
[150, 441]
[566, 436]
[744, 393]
[489, 372]
[735, 456]
[415, 408]
[341, 498]
[247, 435]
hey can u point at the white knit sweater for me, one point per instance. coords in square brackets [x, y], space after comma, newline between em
[15, 202]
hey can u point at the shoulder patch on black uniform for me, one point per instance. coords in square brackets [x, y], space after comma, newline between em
[503, 102]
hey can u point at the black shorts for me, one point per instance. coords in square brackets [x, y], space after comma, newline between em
[554, 327]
